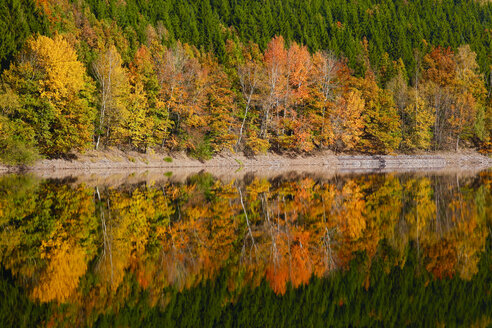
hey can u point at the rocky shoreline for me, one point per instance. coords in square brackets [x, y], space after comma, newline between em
[115, 160]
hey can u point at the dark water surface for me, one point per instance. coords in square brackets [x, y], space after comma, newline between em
[294, 250]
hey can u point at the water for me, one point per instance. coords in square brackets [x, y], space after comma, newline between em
[294, 250]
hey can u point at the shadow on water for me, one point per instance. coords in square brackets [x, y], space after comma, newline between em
[293, 249]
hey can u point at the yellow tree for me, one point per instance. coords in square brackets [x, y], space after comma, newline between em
[455, 90]
[54, 93]
[221, 107]
[137, 125]
[142, 124]
[470, 94]
[420, 119]
[143, 66]
[347, 121]
[382, 127]
[381, 120]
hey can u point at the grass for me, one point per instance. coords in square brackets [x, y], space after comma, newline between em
[168, 159]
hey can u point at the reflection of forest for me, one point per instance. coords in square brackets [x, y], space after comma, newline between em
[94, 248]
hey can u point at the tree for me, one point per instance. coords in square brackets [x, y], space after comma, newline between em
[54, 95]
[17, 141]
[456, 92]
[347, 121]
[471, 94]
[294, 122]
[143, 68]
[276, 64]
[419, 121]
[138, 125]
[19, 20]
[328, 73]
[182, 84]
[112, 84]
[221, 109]
[381, 120]
[251, 79]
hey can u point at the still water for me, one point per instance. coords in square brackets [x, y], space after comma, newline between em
[295, 250]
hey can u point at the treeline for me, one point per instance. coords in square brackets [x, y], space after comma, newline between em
[394, 28]
[123, 76]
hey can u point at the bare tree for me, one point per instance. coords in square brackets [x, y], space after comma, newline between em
[327, 67]
[110, 77]
[250, 75]
[178, 75]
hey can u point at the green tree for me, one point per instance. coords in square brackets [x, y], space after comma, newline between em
[19, 19]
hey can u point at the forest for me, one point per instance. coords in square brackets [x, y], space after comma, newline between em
[351, 250]
[213, 76]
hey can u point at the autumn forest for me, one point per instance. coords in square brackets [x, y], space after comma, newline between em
[93, 234]
[216, 75]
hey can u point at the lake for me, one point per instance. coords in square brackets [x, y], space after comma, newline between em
[287, 250]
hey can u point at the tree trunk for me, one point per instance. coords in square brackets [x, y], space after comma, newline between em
[243, 123]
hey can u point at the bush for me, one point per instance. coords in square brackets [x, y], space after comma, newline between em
[17, 145]
[256, 145]
[202, 151]
[16, 152]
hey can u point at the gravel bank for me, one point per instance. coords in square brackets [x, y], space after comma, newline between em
[115, 160]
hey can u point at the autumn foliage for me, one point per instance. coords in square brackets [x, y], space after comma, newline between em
[284, 99]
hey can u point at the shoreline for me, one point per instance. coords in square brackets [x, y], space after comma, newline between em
[116, 160]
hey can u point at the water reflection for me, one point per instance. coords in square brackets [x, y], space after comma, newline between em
[101, 250]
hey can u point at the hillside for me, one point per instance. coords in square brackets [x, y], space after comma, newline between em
[248, 76]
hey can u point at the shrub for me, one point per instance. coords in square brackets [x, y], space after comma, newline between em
[202, 151]
[16, 143]
[256, 145]
[16, 152]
